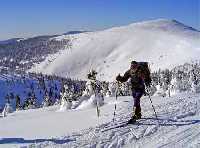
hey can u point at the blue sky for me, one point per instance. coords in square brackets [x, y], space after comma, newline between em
[25, 18]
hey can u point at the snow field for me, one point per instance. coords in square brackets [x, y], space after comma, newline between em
[178, 118]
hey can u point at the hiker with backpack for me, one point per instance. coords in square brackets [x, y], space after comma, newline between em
[140, 77]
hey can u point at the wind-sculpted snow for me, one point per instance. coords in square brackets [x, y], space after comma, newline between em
[163, 43]
[178, 125]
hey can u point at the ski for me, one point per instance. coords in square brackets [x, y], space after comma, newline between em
[120, 125]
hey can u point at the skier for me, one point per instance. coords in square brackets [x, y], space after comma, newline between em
[137, 86]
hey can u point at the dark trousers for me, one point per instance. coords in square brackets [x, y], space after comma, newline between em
[137, 94]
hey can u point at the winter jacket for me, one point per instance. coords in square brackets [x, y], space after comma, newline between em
[136, 76]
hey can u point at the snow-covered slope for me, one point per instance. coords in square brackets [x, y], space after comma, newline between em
[163, 43]
[178, 125]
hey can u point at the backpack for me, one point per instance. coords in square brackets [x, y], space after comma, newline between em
[145, 72]
[92, 75]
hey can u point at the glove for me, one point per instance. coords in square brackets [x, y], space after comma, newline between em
[118, 78]
[147, 90]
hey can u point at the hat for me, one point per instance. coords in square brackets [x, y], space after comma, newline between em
[133, 62]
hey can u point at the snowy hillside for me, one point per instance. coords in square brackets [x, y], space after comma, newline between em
[110, 51]
[18, 55]
[178, 125]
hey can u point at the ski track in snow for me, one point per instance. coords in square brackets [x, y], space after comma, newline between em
[178, 125]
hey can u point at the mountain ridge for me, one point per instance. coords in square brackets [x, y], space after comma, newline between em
[110, 51]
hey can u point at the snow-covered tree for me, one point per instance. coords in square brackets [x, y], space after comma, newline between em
[93, 91]
[66, 98]
[18, 106]
[30, 102]
[7, 109]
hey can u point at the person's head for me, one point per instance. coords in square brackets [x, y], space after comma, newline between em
[134, 64]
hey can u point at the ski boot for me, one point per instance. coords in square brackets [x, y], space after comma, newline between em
[137, 115]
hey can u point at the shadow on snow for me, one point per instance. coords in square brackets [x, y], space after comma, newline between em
[167, 122]
[24, 141]
[153, 121]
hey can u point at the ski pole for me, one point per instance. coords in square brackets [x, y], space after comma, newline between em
[116, 95]
[153, 107]
[97, 99]
[147, 92]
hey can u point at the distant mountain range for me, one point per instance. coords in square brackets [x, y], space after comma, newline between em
[74, 32]
[14, 40]
[10, 41]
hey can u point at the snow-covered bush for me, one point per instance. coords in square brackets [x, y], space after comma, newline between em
[7, 109]
[66, 98]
